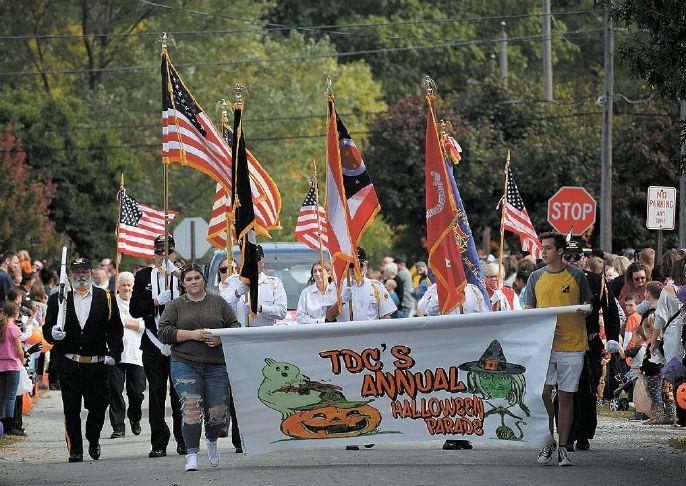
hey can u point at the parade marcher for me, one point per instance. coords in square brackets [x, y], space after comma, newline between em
[473, 303]
[585, 417]
[229, 282]
[89, 343]
[129, 370]
[197, 365]
[369, 300]
[502, 298]
[154, 288]
[316, 298]
[560, 284]
[272, 301]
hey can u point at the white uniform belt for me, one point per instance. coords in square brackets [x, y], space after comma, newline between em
[85, 359]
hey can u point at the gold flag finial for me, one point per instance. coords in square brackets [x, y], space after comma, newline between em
[223, 107]
[239, 92]
[329, 86]
[165, 39]
[429, 86]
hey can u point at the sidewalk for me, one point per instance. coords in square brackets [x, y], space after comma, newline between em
[622, 453]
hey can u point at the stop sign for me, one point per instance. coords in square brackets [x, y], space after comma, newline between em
[571, 207]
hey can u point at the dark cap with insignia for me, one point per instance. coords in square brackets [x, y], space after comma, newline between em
[573, 247]
[80, 262]
[260, 252]
[159, 244]
[361, 254]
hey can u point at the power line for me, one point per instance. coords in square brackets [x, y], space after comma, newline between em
[280, 27]
[456, 43]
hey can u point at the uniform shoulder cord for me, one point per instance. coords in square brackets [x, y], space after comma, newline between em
[378, 299]
[109, 304]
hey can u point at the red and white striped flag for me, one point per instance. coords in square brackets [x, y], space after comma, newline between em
[517, 218]
[307, 228]
[139, 225]
[188, 134]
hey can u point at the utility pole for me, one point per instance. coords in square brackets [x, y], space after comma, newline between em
[503, 56]
[606, 142]
[682, 183]
[547, 54]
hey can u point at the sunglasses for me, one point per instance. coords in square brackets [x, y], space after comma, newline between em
[223, 269]
[573, 257]
[638, 279]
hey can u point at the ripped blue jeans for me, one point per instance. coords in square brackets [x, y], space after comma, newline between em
[203, 389]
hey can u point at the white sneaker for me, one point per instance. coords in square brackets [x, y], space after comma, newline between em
[192, 462]
[212, 452]
[562, 458]
[546, 453]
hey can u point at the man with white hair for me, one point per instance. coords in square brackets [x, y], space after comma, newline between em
[130, 369]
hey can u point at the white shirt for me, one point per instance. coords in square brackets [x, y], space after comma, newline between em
[370, 301]
[474, 302]
[227, 289]
[312, 304]
[271, 296]
[82, 305]
[157, 278]
[132, 353]
[498, 298]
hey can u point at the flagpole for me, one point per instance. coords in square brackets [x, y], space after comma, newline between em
[118, 255]
[315, 182]
[503, 211]
[165, 177]
[229, 209]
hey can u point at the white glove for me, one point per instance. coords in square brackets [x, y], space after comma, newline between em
[164, 297]
[612, 346]
[109, 360]
[169, 267]
[243, 289]
[58, 334]
[346, 294]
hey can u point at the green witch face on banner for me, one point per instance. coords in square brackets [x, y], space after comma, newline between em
[493, 377]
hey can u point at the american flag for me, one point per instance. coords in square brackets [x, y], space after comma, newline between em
[188, 134]
[139, 225]
[517, 219]
[306, 228]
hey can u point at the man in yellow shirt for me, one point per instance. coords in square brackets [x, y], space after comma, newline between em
[560, 284]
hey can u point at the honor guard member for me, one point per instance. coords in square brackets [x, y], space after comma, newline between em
[90, 341]
[153, 288]
[271, 298]
[369, 298]
[474, 302]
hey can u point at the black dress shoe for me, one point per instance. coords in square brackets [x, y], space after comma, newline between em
[352, 448]
[94, 451]
[75, 457]
[583, 445]
[118, 434]
[456, 445]
[224, 432]
[181, 450]
[157, 453]
[368, 446]
[239, 450]
[135, 428]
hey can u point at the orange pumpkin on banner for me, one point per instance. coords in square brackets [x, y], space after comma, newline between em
[331, 422]
[680, 396]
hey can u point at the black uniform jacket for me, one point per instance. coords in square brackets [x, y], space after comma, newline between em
[142, 306]
[102, 335]
[605, 300]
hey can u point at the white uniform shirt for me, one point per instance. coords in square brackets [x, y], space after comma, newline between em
[227, 289]
[270, 295]
[132, 353]
[474, 302]
[82, 305]
[312, 304]
[499, 301]
[370, 301]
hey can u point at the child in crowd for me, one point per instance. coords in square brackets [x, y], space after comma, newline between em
[661, 411]
[391, 285]
[633, 321]
[11, 360]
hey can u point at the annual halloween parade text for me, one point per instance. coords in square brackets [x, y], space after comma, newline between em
[443, 416]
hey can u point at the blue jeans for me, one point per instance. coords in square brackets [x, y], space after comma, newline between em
[203, 390]
[9, 382]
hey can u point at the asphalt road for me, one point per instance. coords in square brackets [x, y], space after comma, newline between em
[622, 453]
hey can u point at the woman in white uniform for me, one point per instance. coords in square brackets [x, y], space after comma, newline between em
[317, 297]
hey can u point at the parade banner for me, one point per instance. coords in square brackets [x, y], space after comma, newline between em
[477, 377]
